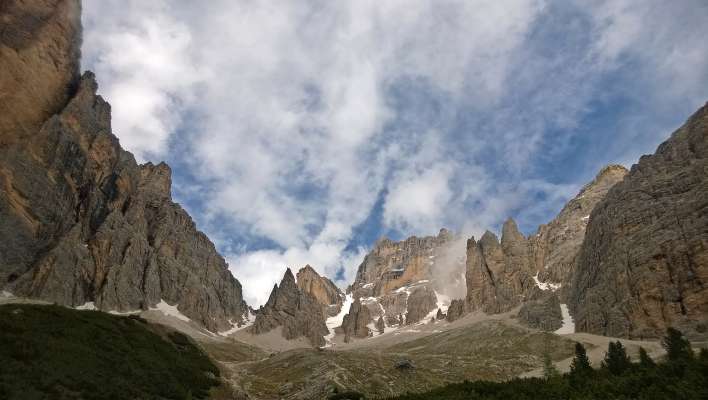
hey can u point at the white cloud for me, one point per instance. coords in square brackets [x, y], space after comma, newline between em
[295, 118]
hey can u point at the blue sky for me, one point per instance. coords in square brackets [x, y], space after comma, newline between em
[300, 132]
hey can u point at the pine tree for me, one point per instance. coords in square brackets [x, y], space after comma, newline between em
[677, 347]
[581, 363]
[644, 360]
[616, 358]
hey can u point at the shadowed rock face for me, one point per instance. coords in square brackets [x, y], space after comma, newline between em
[80, 220]
[297, 312]
[322, 289]
[644, 263]
[355, 322]
[544, 313]
[556, 244]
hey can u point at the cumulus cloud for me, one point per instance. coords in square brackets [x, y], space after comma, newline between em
[293, 123]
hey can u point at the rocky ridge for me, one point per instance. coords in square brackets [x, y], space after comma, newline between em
[297, 312]
[322, 289]
[644, 263]
[81, 222]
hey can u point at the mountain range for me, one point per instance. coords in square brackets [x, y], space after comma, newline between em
[83, 225]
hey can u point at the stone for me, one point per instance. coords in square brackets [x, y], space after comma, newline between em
[322, 289]
[439, 315]
[356, 321]
[456, 310]
[80, 220]
[420, 303]
[544, 313]
[380, 325]
[297, 312]
[643, 265]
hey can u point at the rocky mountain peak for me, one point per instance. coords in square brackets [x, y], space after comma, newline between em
[86, 223]
[644, 261]
[321, 288]
[296, 312]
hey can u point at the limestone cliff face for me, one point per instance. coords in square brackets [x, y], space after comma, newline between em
[398, 280]
[555, 246]
[80, 220]
[503, 275]
[644, 263]
[40, 43]
[499, 275]
[322, 289]
[297, 312]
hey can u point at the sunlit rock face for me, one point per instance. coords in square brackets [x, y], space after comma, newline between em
[322, 289]
[80, 221]
[405, 282]
[644, 263]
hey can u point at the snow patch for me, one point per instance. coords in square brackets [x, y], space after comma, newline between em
[336, 321]
[134, 312]
[368, 285]
[585, 218]
[89, 305]
[250, 319]
[546, 285]
[170, 311]
[6, 294]
[568, 326]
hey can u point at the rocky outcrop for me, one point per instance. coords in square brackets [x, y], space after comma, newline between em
[40, 43]
[298, 313]
[322, 289]
[355, 323]
[380, 325]
[392, 265]
[544, 313]
[555, 246]
[456, 310]
[80, 220]
[499, 274]
[420, 303]
[643, 265]
[503, 275]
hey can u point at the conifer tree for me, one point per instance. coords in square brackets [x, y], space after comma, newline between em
[677, 346]
[581, 363]
[616, 358]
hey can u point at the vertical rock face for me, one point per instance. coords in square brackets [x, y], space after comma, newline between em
[420, 302]
[502, 275]
[555, 246]
[644, 263]
[297, 312]
[40, 44]
[322, 289]
[80, 220]
[393, 271]
[499, 275]
[355, 323]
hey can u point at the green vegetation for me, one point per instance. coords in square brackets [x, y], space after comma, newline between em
[681, 376]
[51, 352]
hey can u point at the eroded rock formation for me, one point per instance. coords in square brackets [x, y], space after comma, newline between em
[544, 313]
[298, 313]
[80, 220]
[355, 323]
[644, 263]
[322, 289]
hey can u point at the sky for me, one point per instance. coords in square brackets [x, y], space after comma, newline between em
[299, 132]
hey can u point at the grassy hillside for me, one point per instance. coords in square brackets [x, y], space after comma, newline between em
[51, 352]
